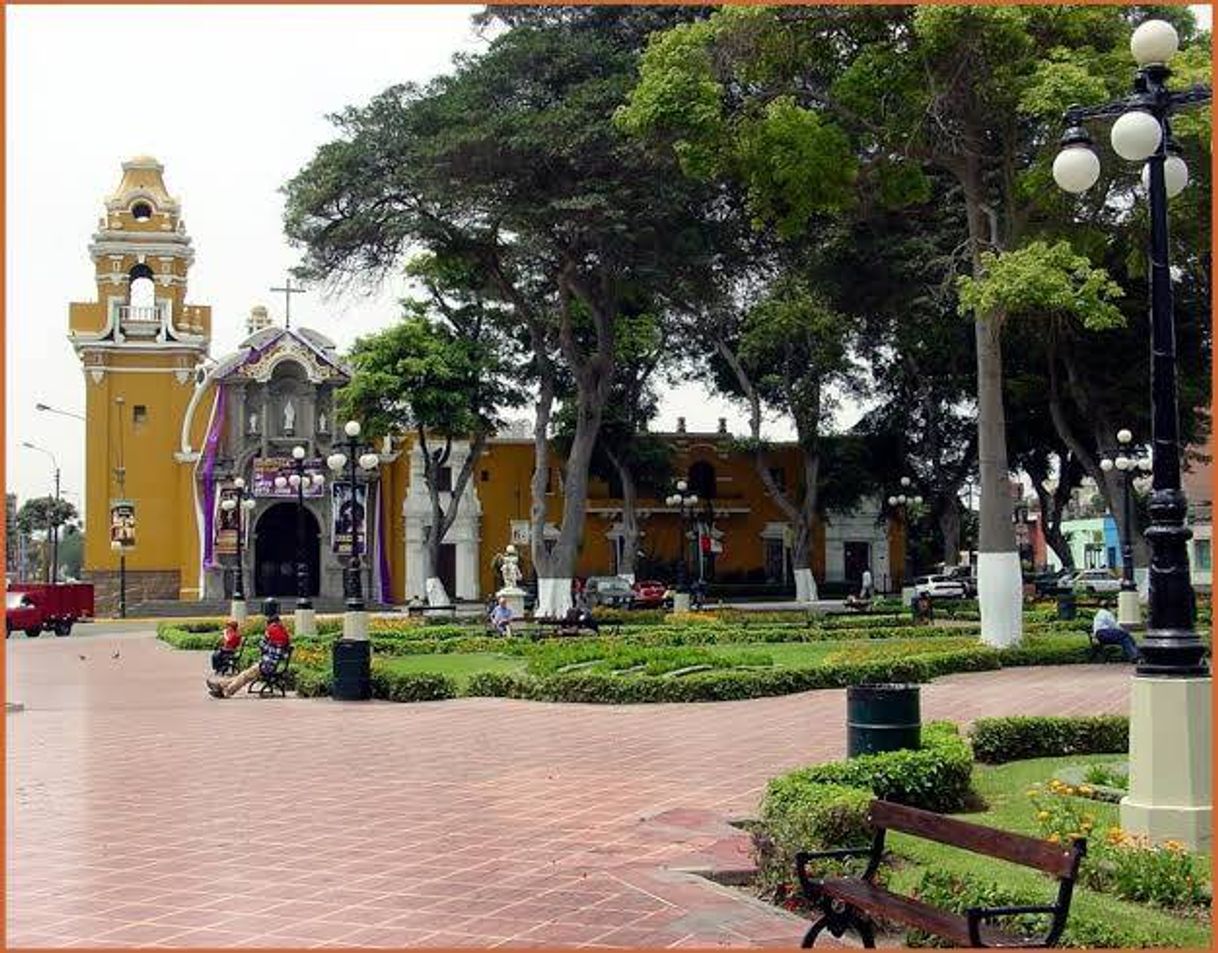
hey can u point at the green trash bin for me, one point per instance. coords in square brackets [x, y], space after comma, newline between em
[1067, 606]
[352, 670]
[882, 718]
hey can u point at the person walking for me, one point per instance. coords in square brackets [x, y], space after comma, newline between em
[1107, 631]
[868, 589]
[272, 650]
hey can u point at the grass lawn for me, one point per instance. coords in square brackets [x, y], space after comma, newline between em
[1003, 788]
[459, 667]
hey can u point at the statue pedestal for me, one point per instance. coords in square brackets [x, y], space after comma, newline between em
[238, 611]
[1129, 612]
[515, 600]
[437, 595]
[680, 602]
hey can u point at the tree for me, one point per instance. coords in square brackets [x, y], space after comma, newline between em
[44, 514]
[512, 165]
[444, 371]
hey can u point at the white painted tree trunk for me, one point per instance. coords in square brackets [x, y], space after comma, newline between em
[805, 586]
[1000, 592]
[553, 597]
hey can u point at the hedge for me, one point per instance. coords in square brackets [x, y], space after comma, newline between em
[386, 685]
[807, 816]
[935, 777]
[998, 740]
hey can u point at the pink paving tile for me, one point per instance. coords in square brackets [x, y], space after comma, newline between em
[451, 822]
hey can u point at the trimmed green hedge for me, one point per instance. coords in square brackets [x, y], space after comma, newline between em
[998, 740]
[935, 777]
[389, 686]
[807, 816]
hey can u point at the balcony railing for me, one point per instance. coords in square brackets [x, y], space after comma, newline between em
[142, 321]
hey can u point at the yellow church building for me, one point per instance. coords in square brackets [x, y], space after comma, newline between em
[171, 430]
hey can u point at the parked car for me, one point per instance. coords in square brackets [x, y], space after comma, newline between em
[964, 574]
[649, 594]
[939, 587]
[1094, 581]
[614, 591]
[1046, 584]
[34, 608]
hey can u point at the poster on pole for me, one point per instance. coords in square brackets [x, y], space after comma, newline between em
[226, 522]
[122, 523]
[347, 514]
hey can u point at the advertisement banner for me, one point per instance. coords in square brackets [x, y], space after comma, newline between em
[122, 522]
[267, 468]
[226, 522]
[345, 514]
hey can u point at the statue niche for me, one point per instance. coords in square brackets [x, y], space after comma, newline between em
[290, 403]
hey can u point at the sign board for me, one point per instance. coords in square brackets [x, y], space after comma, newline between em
[345, 515]
[267, 468]
[122, 522]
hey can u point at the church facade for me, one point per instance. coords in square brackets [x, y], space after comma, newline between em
[172, 433]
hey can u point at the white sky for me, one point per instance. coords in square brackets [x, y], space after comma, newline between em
[233, 101]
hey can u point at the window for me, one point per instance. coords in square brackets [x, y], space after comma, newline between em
[142, 293]
[1201, 554]
[444, 479]
[141, 211]
[779, 476]
[139, 415]
[702, 480]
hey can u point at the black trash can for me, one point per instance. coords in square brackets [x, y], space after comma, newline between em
[1067, 605]
[352, 670]
[270, 607]
[882, 718]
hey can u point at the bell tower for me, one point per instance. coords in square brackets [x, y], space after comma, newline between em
[140, 344]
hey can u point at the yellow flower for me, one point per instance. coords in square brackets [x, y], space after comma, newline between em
[1053, 839]
[1087, 825]
[1069, 790]
[1174, 846]
[1085, 789]
[1042, 816]
[1074, 835]
[1032, 793]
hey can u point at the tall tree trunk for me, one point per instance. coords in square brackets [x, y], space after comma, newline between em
[630, 516]
[999, 576]
[948, 517]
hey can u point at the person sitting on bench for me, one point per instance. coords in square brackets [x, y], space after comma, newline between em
[272, 650]
[222, 657]
[578, 617]
[1106, 631]
[501, 617]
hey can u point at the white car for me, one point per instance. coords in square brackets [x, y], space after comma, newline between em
[939, 587]
[1093, 580]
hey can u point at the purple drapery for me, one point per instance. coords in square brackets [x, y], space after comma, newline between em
[210, 446]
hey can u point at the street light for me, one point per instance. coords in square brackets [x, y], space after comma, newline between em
[685, 502]
[243, 502]
[1171, 681]
[53, 568]
[117, 547]
[904, 504]
[352, 653]
[47, 408]
[300, 481]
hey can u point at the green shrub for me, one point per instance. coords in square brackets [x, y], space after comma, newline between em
[799, 816]
[935, 777]
[998, 740]
[411, 686]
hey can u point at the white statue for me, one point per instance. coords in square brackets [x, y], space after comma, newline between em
[510, 568]
[321, 422]
[253, 423]
[289, 417]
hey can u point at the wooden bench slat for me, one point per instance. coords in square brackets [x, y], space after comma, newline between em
[1016, 848]
[880, 902]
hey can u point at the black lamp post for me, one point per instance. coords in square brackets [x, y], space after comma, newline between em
[353, 589]
[1142, 131]
[1128, 465]
[685, 502]
[242, 505]
[119, 548]
[300, 481]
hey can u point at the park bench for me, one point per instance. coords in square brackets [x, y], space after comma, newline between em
[857, 902]
[277, 680]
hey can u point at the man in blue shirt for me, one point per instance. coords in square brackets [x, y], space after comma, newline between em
[501, 617]
[1107, 631]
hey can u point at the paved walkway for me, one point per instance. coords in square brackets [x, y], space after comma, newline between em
[142, 812]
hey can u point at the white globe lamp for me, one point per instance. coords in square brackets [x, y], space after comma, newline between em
[298, 452]
[281, 482]
[369, 461]
[351, 428]
[1076, 169]
[1124, 435]
[294, 480]
[336, 461]
[1155, 41]
[1136, 135]
[1106, 465]
[1175, 175]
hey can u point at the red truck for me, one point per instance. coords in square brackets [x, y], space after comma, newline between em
[36, 608]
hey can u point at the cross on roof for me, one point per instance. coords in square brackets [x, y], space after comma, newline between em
[288, 291]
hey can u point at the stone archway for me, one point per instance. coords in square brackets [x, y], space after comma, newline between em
[275, 551]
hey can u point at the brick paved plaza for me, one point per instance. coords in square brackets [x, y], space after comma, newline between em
[142, 812]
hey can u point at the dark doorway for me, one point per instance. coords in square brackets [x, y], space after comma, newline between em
[857, 558]
[702, 480]
[275, 551]
[447, 570]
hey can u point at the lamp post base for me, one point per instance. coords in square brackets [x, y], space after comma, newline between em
[1129, 609]
[306, 620]
[355, 625]
[680, 602]
[1170, 761]
[237, 610]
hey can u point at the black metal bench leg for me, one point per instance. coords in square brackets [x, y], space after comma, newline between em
[866, 932]
[813, 932]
